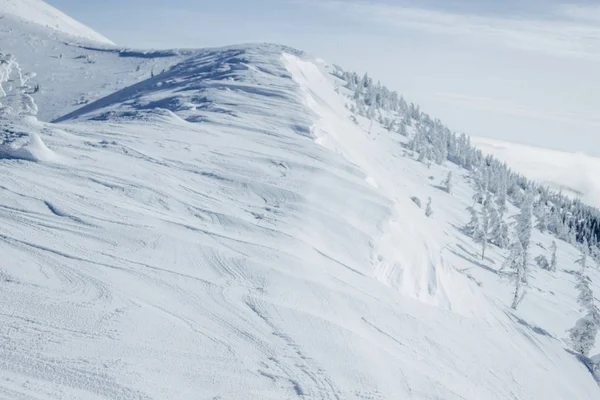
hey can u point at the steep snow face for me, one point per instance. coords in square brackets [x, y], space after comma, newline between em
[41, 13]
[408, 254]
[573, 173]
[222, 229]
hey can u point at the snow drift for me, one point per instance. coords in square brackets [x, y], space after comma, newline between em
[20, 139]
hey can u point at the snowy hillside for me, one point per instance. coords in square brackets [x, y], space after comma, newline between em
[71, 71]
[41, 13]
[223, 224]
[574, 174]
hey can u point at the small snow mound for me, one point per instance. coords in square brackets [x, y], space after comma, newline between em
[19, 142]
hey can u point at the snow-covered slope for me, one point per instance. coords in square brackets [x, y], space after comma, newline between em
[225, 228]
[246, 240]
[41, 13]
[574, 174]
[72, 71]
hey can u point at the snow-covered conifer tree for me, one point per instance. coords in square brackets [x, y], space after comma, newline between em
[428, 209]
[473, 226]
[517, 262]
[14, 88]
[513, 269]
[524, 227]
[583, 334]
[481, 234]
[553, 262]
[447, 183]
[542, 262]
[542, 224]
[498, 228]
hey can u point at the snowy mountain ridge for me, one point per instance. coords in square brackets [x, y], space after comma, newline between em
[221, 224]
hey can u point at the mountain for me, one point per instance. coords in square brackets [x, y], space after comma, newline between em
[239, 223]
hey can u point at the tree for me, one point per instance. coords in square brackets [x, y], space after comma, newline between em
[428, 210]
[447, 183]
[582, 261]
[542, 224]
[513, 269]
[481, 234]
[542, 262]
[479, 190]
[553, 257]
[585, 296]
[583, 334]
[473, 225]
[517, 263]
[498, 228]
[15, 89]
[524, 226]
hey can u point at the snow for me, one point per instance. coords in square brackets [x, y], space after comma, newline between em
[41, 13]
[573, 173]
[71, 74]
[19, 140]
[223, 230]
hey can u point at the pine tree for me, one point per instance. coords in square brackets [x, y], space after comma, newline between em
[473, 226]
[583, 334]
[481, 235]
[447, 183]
[428, 210]
[513, 269]
[524, 227]
[553, 262]
[517, 262]
[542, 224]
[585, 297]
[498, 230]
[15, 89]
[582, 261]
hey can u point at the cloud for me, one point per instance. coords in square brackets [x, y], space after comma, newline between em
[579, 12]
[567, 31]
[507, 107]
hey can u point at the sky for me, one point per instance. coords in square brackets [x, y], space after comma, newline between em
[526, 71]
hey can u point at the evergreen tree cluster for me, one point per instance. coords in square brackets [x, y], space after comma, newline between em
[432, 142]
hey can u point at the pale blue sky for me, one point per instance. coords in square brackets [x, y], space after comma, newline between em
[524, 71]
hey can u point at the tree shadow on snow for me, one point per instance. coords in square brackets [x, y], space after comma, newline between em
[534, 328]
[472, 259]
[592, 366]
[438, 187]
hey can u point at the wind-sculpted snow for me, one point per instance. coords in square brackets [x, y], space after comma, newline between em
[192, 87]
[195, 242]
[19, 140]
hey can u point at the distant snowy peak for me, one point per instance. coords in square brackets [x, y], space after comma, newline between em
[41, 13]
